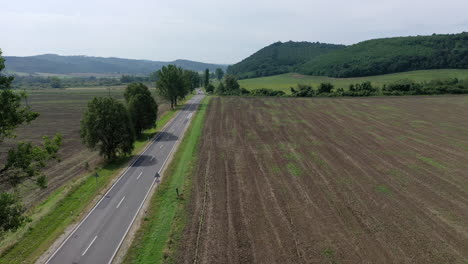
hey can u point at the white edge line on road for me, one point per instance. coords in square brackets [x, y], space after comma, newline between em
[102, 198]
[86, 250]
[141, 205]
[120, 202]
[139, 175]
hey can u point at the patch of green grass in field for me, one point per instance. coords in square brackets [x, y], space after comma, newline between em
[378, 137]
[330, 255]
[382, 189]
[158, 237]
[294, 169]
[283, 82]
[65, 205]
[432, 162]
[318, 160]
[275, 169]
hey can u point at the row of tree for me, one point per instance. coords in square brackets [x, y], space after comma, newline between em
[111, 126]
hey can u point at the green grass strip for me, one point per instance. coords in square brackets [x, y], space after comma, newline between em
[38, 236]
[161, 231]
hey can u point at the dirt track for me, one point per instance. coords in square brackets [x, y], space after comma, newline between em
[366, 180]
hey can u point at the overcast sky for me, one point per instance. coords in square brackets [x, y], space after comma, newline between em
[211, 31]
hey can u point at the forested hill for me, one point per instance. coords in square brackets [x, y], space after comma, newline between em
[51, 63]
[371, 57]
[391, 55]
[280, 58]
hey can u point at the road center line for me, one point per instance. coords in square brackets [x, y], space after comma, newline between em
[161, 146]
[120, 202]
[139, 175]
[152, 158]
[86, 250]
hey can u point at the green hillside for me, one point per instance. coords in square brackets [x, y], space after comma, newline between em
[367, 58]
[285, 81]
[279, 58]
[390, 55]
[56, 64]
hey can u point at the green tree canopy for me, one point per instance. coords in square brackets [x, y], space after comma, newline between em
[106, 126]
[141, 106]
[171, 83]
[24, 162]
[219, 73]
[206, 77]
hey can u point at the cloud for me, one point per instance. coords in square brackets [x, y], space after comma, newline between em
[212, 31]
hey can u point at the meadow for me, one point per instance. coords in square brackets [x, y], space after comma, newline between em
[283, 82]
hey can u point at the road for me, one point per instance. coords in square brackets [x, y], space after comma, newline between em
[98, 237]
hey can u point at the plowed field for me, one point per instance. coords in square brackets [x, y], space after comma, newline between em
[340, 180]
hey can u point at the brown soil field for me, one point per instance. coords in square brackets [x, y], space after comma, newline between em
[60, 112]
[331, 180]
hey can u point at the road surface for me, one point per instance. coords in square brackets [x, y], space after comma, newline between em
[98, 237]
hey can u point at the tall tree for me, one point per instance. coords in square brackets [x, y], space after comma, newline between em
[170, 83]
[23, 163]
[106, 126]
[219, 73]
[232, 87]
[206, 77]
[141, 106]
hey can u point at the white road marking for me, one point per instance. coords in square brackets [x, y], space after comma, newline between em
[120, 202]
[189, 116]
[139, 175]
[86, 250]
[161, 146]
[152, 158]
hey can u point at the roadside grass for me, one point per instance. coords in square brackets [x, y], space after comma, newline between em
[65, 205]
[283, 82]
[161, 231]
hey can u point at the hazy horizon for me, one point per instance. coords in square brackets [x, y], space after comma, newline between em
[210, 31]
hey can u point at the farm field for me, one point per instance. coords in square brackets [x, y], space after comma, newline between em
[331, 180]
[285, 81]
[60, 112]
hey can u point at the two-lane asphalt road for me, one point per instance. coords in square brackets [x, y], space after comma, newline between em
[98, 237]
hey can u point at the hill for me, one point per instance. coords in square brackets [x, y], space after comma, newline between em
[390, 55]
[285, 81]
[280, 58]
[56, 64]
[371, 57]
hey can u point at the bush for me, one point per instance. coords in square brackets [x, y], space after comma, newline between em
[266, 92]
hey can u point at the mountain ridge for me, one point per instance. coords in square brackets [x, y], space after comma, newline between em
[58, 64]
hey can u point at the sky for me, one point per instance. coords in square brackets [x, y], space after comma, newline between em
[211, 31]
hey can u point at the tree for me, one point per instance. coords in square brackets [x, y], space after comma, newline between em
[219, 73]
[141, 106]
[11, 212]
[106, 126]
[171, 83]
[325, 88]
[232, 86]
[206, 77]
[210, 88]
[221, 89]
[55, 82]
[24, 162]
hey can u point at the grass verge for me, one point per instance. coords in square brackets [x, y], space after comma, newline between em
[67, 204]
[162, 228]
